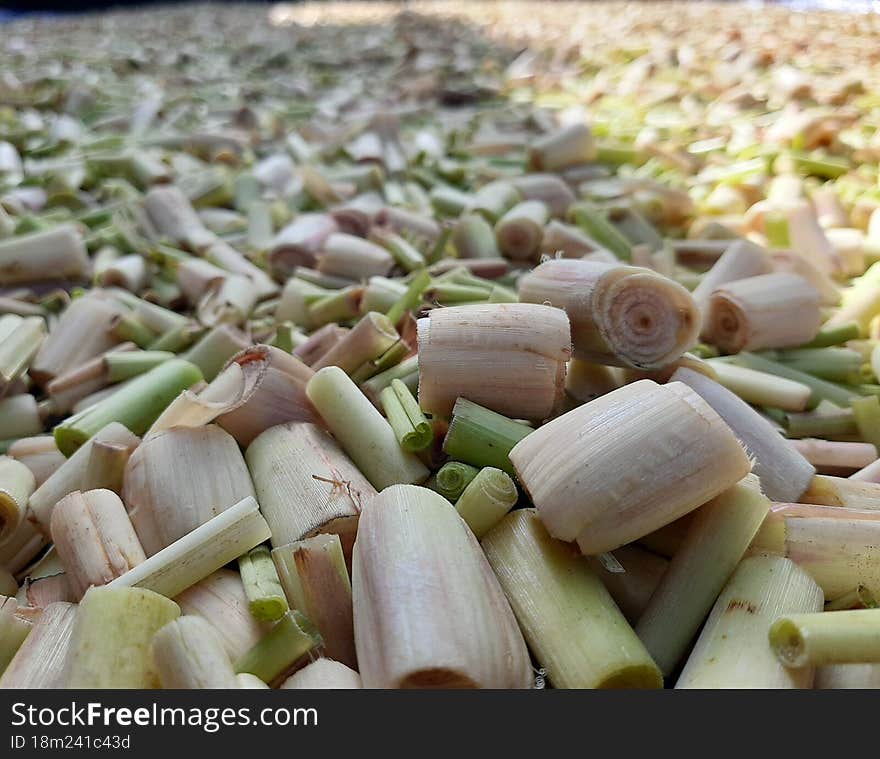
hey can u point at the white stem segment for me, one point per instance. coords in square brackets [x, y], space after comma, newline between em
[570, 621]
[839, 677]
[849, 492]
[39, 454]
[40, 661]
[200, 552]
[323, 674]
[58, 253]
[110, 643]
[428, 611]
[16, 486]
[719, 534]
[833, 637]
[732, 650]
[741, 259]
[188, 653]
[627, 463]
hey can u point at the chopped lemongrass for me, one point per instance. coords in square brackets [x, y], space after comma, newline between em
[411, 299]
[16, 486]
[818, 638]
[188, 653]
[762, 389]
[485, 499]
[481, 437]
[324, 674]
[632, 588]
[39, 661]
[292, 639]
[413, 430]
[261, 584]
[452, 478]
[13, 631]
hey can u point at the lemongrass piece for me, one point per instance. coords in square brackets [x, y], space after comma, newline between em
[371, 337]
[585, 381]
[452, 478]
[172, 214]
[94, 539]
[841, 491]
[110, 642]
[404, 254]
[836, 455]
[569, 146]
[20, 339]
[362, 431]
[67, 389]
[348, 256]
[620, 315]
[867, 415]
[411, 299]
[834, 364]
[294, 303]
[762, 389]
[136, 405]
[221, 600]
[740, 260]
[49, 255]
[732, 650]
[306, 484]
[21, 547]
[550, 189]
[39, 661]
[838, 553]
[485, 499]
[834, 335]
[481, 437]
[323, 674]
[229, 301]
[293, 639]
[818, 638]
[473, 237]
[718, 536]
[318, 343]
[212, 351]
[73, 474]
[526, 346]
[278, 394]
[187, 653]
[434, 616]
[870, 473]
[315, 578]
[686, 456]
[413, 430]
[859, 598]
[567, 241]
[840, 677]
[180, 478]
[299, 242]
[16, 486]
[407, 371]
[248, 681]
[632, 588]
[570, 621]
[520, 230]
[267, 601]
[13, 631]
[197, 554]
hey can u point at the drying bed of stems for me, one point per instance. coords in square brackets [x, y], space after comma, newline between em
[467, 345]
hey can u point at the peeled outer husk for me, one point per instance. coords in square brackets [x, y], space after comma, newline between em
[571, 623]
[178, 479]
[629, 462]
[428, 611]
[784, 473]
[509, 357]
[620, 315]
[110, 644]
[278, 394]
[323, 674]
[39, 662]
[221, 600]
[733, 650]
[741, 259]
[777, 310]
[94, 538]
[306, 484]
[188, 653]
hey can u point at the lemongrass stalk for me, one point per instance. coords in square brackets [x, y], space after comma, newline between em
[834, 335]
[870, 473]
[73, 473]
[450, 294]
[76, 384]
[21, 547]
[452, 478]
[371, 337]
[619, 315]
[838, 553]
[740, 259]
[110, 642]
[19, 417]
[137, 405]
[569, 146]
[411, 299]
[414, 432]
[762, 389]
[686, 456]
[295, 299]
[473, 237]
[348, 256]
[858, 598]
[485, 499]
[188, 653]
[197, 554]
[819, 638]
[844, 676]
[528, 366]
[125, 365]
[230, 301]
[390, 358]
[595, 224]
[407, 371]
[550, 189]
[251, 682]
[173, 216]
[449, 201]
[54, 254]
[319, 343]
[435, 616]
[261, 584]
[129, 272]
[323, 674]
[632, 588]
[16, 486]
[381, 294]
[39, 661]
[585, 381]
[493, 200]
[362, 431]
[840, 491]
[520, 230]
[718, 536]
[276, 393]
[315, 577]
[298, 243]
[129, 328]
[291, 642]
[552, 591]
[776, 310]
[827, 454]
[482, 437]
[826, 420]
[13, 631]
[220, 599]
[180, 478]
[306, 484]
[566, 241]
[834, 364]
[341, 306]
[212, 351]
[867, 415]
[20, 339]
[732, 650]
[94, 539]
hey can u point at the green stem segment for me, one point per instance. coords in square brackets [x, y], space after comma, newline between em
[453, 478]
[486, 499]
[481, 437]
[413, 430]
[262, 586]
[277, 652]
[411, 299]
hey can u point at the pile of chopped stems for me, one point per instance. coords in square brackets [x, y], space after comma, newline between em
[358, 347]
